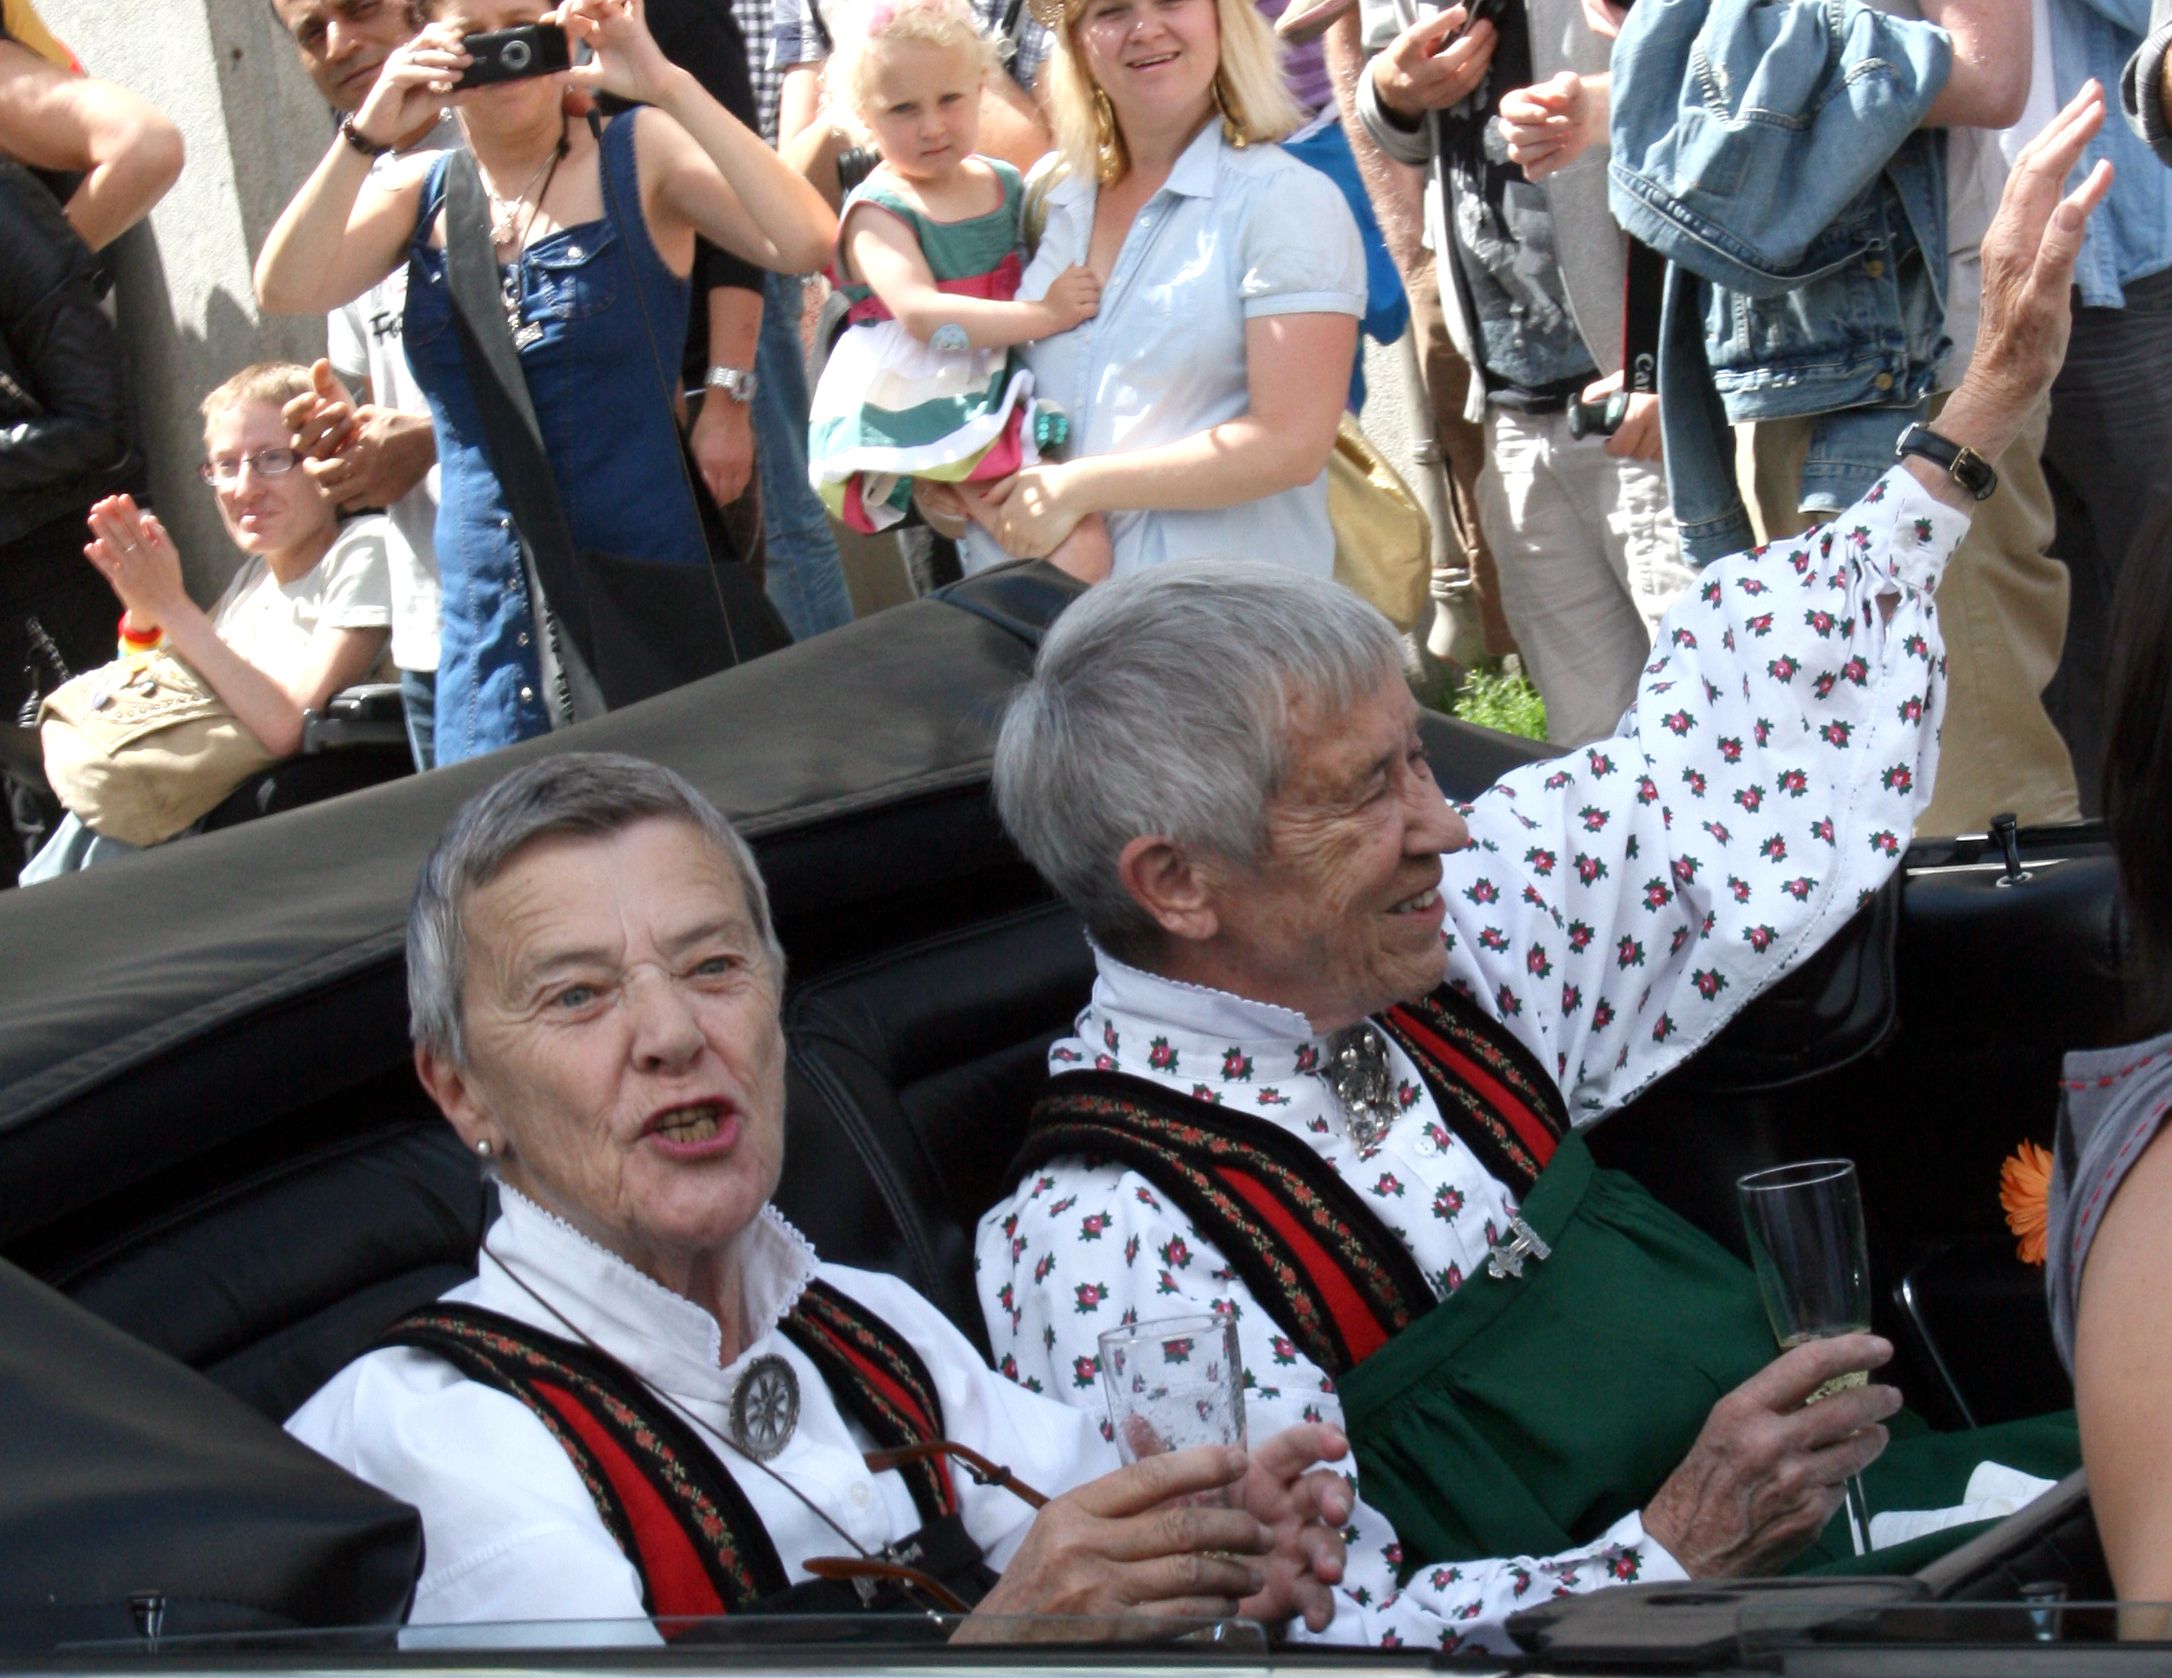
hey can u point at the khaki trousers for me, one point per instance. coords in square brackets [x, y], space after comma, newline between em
[1462, 443]
[2002, 606]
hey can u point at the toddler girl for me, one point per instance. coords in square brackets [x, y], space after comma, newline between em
[922, 384]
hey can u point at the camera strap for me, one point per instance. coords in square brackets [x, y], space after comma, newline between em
[514, 443]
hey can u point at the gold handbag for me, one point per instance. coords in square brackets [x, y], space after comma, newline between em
[141, 747]
[1383, 540]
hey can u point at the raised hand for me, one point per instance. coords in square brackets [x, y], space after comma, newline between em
[413, 86]
[2028, 273]
[135, 555]
[1431, 66]
[1769, 1468]
[626, 60]
[323, 420]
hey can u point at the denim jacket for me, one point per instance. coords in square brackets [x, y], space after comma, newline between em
[2130, 236]
[1770, 150]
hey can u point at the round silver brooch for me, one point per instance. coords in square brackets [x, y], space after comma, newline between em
[765, 1407]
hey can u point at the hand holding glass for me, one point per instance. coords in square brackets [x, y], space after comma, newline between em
[1173, 1383]
[1805, 1225]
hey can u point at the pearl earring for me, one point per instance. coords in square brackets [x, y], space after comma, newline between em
[483, 1147]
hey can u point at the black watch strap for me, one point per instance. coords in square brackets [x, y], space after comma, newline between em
[1963, 465]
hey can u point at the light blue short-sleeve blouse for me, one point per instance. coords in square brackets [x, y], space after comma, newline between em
[1233, 234]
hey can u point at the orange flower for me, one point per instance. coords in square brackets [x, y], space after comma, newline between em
[2025, 1192]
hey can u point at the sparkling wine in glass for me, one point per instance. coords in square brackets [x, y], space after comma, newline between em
[1172, 1383]
[1805, 1226]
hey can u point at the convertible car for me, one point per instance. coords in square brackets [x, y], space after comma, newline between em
[219, 1180]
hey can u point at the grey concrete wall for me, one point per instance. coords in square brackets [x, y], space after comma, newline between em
[225, 72]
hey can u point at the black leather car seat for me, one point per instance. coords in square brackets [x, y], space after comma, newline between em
[912, 1075]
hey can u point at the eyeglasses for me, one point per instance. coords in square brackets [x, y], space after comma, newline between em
[269, 463]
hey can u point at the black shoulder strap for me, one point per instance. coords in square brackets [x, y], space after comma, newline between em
[873, 1371]
[511, 437]
[1491, 1090]
[682, 1520]
[1335, 1278]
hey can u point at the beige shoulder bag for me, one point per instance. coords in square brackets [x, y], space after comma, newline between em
[1383, 540]
[141, 747]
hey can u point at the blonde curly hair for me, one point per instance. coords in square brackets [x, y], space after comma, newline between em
[849, 75]
[1254, 100]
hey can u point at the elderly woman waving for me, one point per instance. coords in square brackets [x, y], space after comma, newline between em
[654, 1399]
[1205, 395]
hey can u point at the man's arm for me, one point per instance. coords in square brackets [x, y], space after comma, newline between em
[1989, 82]
[127, 152]
[723, 434]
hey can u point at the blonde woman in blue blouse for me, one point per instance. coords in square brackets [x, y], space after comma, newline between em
[1205, 394]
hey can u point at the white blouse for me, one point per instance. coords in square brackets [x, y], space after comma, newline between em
[511, 1535]
[1234, 234]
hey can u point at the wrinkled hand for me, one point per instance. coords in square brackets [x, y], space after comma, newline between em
[1305, 1508]
[722, 441]
[2028, 268]
[413, 85]
[1429, 67]
[1073, 296]
[1768, 1470]
[135, 555]
[627, 60]
[1124, 1544]
[1637, 437]
[1550, 125]
[1026, 512]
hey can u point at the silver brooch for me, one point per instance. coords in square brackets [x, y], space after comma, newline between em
[1357, 1071]
[765, 1407]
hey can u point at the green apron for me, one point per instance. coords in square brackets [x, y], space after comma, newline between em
[1524, 1416]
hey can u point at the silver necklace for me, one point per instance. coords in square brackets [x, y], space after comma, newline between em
[1356, 1071]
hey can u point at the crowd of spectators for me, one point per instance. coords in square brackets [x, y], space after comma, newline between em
[1223, 216]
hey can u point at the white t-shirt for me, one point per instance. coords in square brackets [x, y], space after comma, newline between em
[275, 625]
[363, 344]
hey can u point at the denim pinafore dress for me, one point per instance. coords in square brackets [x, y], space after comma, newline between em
[613, 444]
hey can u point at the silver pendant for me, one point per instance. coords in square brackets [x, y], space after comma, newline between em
[1356, 1070]
[765, 1407]
[1504, 1262]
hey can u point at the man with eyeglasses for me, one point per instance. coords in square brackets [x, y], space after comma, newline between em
[380, 450]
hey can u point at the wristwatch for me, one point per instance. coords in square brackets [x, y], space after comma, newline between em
[1963, 465]
[735, 382]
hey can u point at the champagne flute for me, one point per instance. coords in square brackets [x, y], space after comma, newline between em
[1805, 1225]
[1172, 1383]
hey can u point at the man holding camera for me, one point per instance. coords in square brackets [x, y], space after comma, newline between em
[1531, 278]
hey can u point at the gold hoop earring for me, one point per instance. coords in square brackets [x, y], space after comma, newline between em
[1109, 157]
[1232, 114]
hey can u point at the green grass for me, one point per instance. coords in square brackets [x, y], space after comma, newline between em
[1502, 698]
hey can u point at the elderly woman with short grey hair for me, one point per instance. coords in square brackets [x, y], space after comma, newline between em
[1344, 1036]
[654, 1400]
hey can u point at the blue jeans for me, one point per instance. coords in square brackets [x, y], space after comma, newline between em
[418, 699]
[805, 579]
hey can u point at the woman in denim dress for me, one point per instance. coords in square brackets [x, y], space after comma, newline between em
[590, 237]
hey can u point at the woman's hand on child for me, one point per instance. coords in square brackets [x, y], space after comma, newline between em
[133, 553]
[1073, 296]
[1027, 512]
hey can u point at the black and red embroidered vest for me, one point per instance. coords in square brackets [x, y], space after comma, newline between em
[675, 1510]
[1320, 1262]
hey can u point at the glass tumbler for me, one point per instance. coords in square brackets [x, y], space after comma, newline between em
[1172, 1383]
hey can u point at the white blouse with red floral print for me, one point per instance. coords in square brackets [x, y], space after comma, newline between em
[1613, 909]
